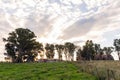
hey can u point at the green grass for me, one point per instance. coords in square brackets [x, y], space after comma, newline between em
[42, 71]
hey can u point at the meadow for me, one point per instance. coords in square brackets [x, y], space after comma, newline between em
[43, 71]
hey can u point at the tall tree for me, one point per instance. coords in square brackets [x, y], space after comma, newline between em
[88, 51]
[70, 47]
[49, 51]
[21, 45]
[79, 51]
[117, 46]
[65, 51]
[97, 48]
[59, 49]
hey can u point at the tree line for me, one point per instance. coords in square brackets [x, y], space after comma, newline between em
[21, 45]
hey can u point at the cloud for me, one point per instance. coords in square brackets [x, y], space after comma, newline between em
[118, 35]
[96, 25]
[79, 28]
[57, 21]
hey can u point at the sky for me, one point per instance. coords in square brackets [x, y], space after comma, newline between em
[59, 21]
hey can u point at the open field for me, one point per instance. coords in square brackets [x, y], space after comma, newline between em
[42, 71]
[104, 70]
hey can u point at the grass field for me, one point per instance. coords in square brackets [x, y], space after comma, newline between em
[42, 71]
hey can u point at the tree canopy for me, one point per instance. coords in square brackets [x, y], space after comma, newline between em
[21, 45]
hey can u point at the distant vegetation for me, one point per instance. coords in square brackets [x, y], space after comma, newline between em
[42, 71]
[21, 46]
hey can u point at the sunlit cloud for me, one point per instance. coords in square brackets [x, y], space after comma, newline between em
[58, 21]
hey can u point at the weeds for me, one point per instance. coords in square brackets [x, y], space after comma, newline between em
[103, 70]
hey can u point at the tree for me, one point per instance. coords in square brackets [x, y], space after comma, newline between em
[10, 51]
[21, 45]
[97, 48]
[37, 48]
[49, 51]
[98, 52]
[70, 47]
[79, 51]
[104, 54]
[65, 50]
[117, 46]
[108, 50]
[88, 51]
[59, 49]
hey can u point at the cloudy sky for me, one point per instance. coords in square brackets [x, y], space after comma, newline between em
[57, 21]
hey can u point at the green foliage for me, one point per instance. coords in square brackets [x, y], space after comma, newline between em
[42, 71]
[117, 46]
[88, 51]
[50, 51]
[59, 49]
[70, 48]
[79, 51]
[97, 48]
[108, 50]
[21, 44]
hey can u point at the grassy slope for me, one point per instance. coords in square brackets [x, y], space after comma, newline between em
[42, 71]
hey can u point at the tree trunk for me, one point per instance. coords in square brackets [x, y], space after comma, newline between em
[66, 57]
[13, 59]
[119, 55]
[19, 58]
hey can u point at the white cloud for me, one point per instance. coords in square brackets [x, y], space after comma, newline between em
[61, 20]
[118, 35]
